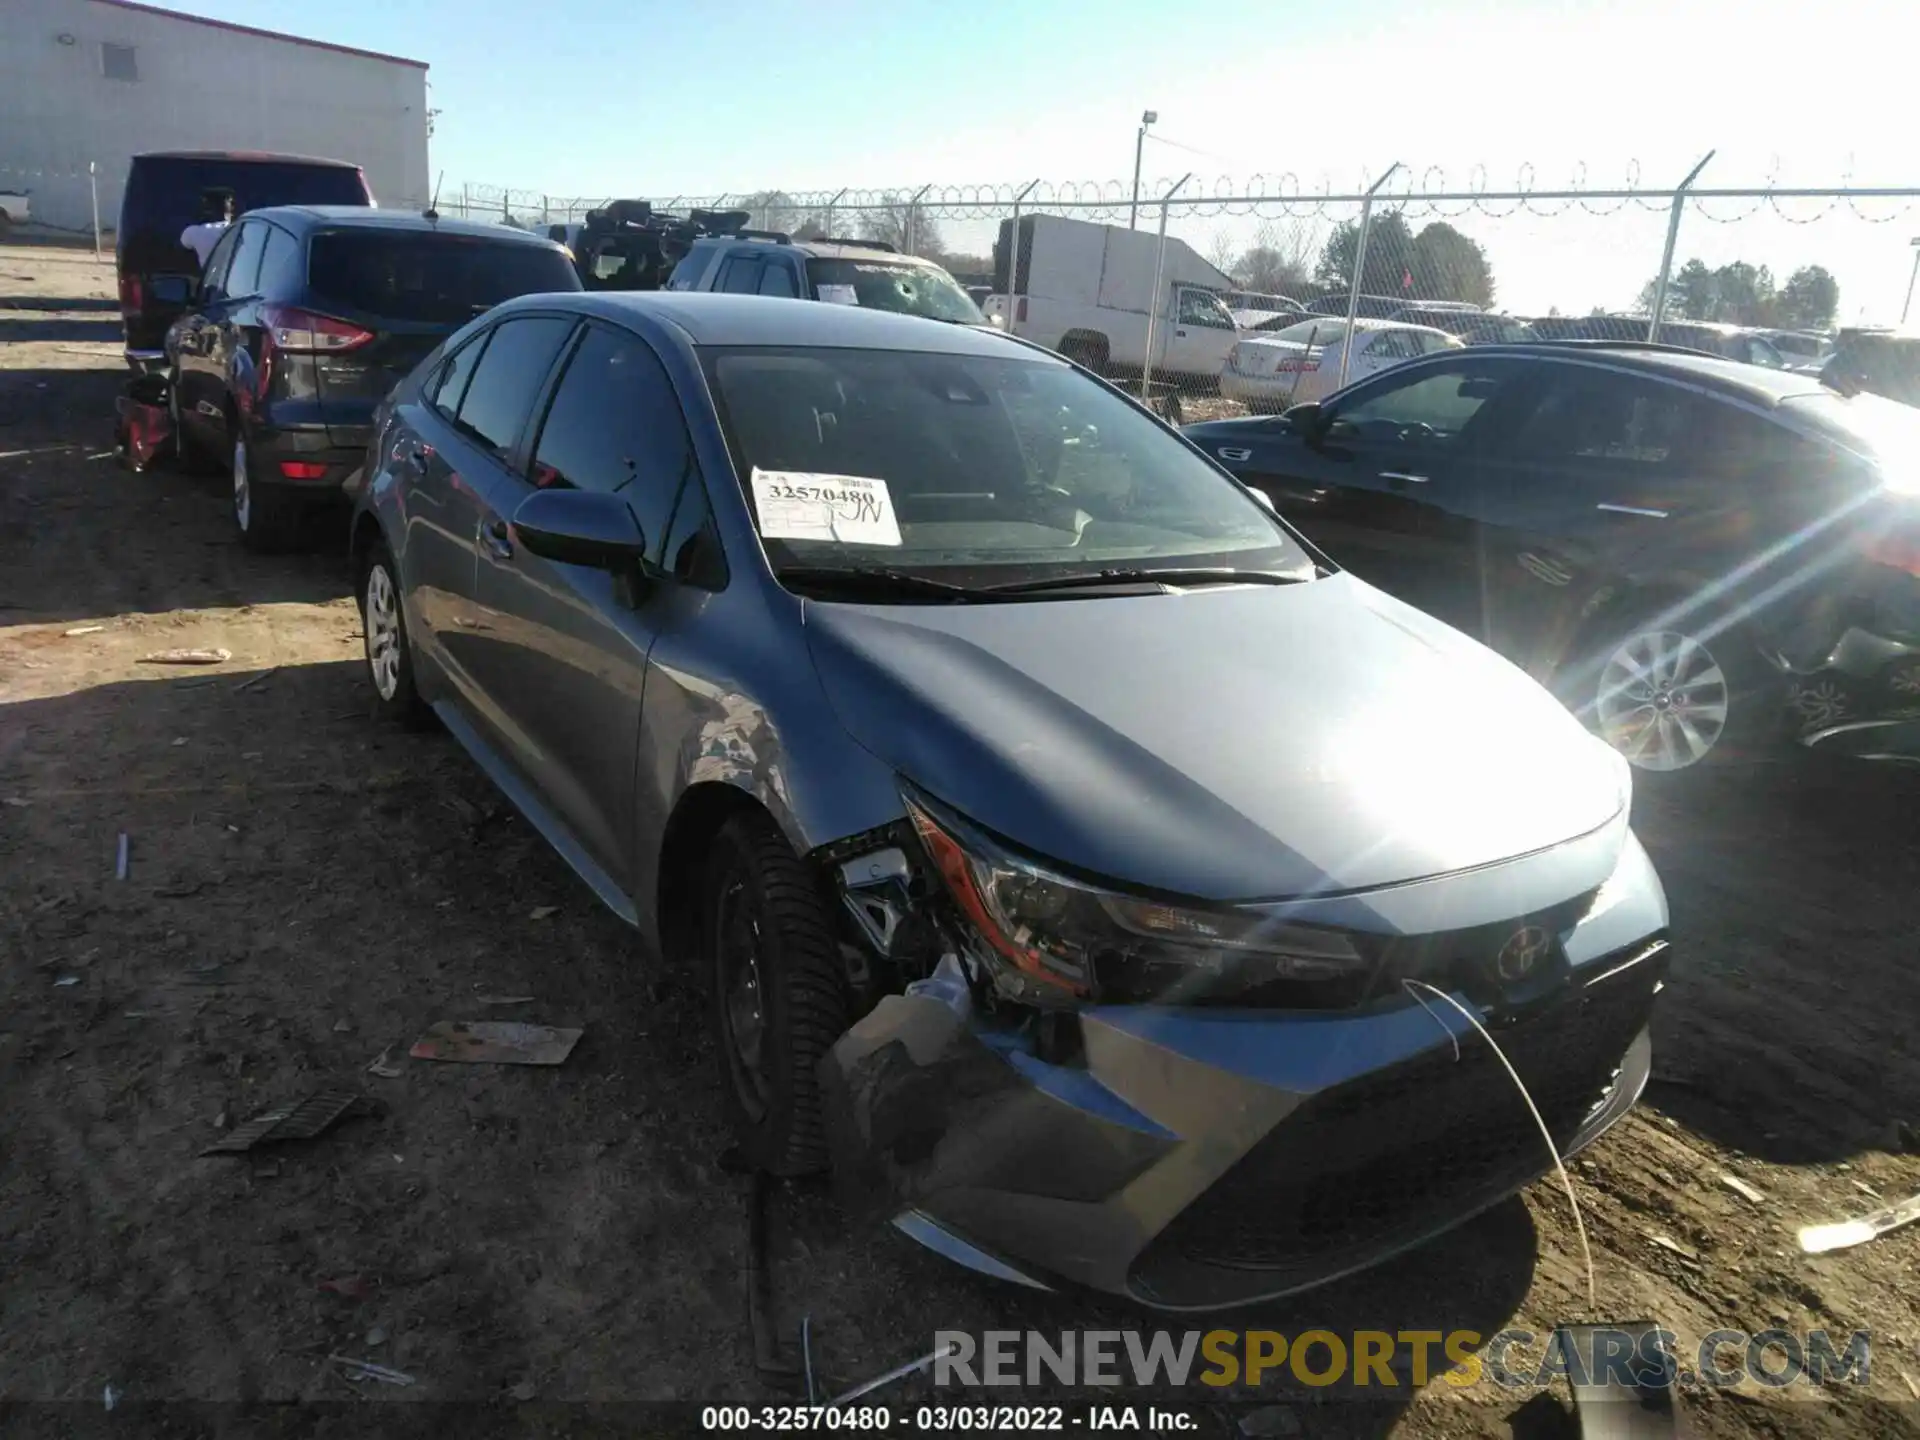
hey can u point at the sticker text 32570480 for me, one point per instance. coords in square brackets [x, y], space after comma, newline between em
[798, 505]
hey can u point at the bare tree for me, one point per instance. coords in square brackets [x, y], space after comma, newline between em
[1280, 259]
[1223, 254]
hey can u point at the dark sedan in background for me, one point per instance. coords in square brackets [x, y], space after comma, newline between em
[306, 317]
[1683, 547]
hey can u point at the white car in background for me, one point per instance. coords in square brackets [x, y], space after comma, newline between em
[1272, 370]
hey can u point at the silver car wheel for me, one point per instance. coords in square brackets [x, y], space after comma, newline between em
[1663, 700]
[383, 632]
[242, 494]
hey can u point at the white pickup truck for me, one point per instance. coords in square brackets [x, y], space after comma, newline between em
[1086, 291]
[15, 209]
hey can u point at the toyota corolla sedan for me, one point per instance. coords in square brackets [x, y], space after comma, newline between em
[1102, 883]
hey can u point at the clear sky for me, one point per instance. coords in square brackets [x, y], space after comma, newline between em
[660, 99]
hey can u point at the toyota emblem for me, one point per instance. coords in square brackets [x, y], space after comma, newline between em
[1524, 949]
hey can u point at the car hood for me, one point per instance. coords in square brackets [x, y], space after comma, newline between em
[1231, 743]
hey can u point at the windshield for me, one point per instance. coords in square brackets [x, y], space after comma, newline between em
[444, 279]
[973, 470]
[1310, 332]
[881, 285]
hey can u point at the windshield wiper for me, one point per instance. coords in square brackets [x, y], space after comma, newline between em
[877, 579]
[1208, 575]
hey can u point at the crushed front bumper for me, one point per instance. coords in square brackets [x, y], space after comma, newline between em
[1193, 1158]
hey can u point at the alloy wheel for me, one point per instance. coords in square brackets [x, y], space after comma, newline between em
[383, 632]
[1663, 700]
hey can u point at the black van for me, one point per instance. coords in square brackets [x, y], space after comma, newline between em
[157, 273]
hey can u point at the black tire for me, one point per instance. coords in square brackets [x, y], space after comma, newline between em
[1088, 354]
[388, 649]
[270, 518]
[759, 894]
[1715, 663]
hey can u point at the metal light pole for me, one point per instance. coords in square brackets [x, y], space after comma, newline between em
[1666, 255]
[1911, 276]
[1159, 269]
[1139, 145]
[1359, 269]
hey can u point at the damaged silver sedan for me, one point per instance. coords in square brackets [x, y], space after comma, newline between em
[1106, 888]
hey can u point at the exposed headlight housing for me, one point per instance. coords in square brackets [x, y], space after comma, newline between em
[1051, 940]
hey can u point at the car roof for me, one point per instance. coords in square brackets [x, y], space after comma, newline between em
[823, 249]
[366, 217]
[706, 318]
[245, 157]
[1759, 384]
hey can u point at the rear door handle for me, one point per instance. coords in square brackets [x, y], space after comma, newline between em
[1234, 452]
[1402, 477]
[1631, 510]
[498, 537]
[415, 458]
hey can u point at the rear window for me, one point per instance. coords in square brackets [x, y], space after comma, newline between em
[440, 279]
[163, 196]
[905, 289]
[1310, 332]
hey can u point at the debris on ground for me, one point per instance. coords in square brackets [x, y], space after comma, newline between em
[541, 912]
[1844, 1234]
[1674, 1247]
[17, 803]
[65, 980]
[495, 1042]
[376, 1337]
[187, 657]
[260, 679]
[522, 1392]
[504, 999]
[899, 1372]
[301, 1120]
[84, 630]
[110, 1397]
[1743, 1189]
[367, 1370]
[383, 1065]
[120, 859]
[349, 1287]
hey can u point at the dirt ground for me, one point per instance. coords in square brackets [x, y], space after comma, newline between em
[307, 892]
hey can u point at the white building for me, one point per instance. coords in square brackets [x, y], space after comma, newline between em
[98, 81]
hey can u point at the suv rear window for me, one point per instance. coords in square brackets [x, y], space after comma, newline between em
[440, 279]
[164, 195]
[905, 289]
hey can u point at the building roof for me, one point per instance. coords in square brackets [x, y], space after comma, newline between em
[263, 34]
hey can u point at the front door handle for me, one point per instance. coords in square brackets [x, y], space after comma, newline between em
[498, 538]
[1234, 452]
[415, 458]
[1631, 510]
[1402, 478]
[1180, 334]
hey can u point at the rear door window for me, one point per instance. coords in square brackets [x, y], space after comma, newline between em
[1589, 415]
[777, 280]
[740, 275]
[279, 264]
[693, 267]
[426, 276]
[446, 390]
[213, 281]
[243, 271]
[615, 426]
[506, 382]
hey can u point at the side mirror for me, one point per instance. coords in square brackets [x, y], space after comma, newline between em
[580, 527]
[1308, 421]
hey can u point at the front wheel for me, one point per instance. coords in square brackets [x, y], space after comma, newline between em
[779, 995]
[1672, 697]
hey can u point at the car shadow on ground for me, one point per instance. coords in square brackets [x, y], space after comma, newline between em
[63, 304]
[16, 329]
[84, 538]
[1786, 1030]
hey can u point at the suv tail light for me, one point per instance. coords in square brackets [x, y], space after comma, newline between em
[132, 295]
[303, 332]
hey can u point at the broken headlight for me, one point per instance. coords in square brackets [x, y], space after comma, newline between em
[1051, 940]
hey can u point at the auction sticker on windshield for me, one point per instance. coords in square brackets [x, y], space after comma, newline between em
[839, 294]
[796, 505]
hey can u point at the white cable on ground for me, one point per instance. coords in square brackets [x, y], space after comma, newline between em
[1566, 1181]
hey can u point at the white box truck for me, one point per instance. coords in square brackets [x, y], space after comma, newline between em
[1086, 291]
